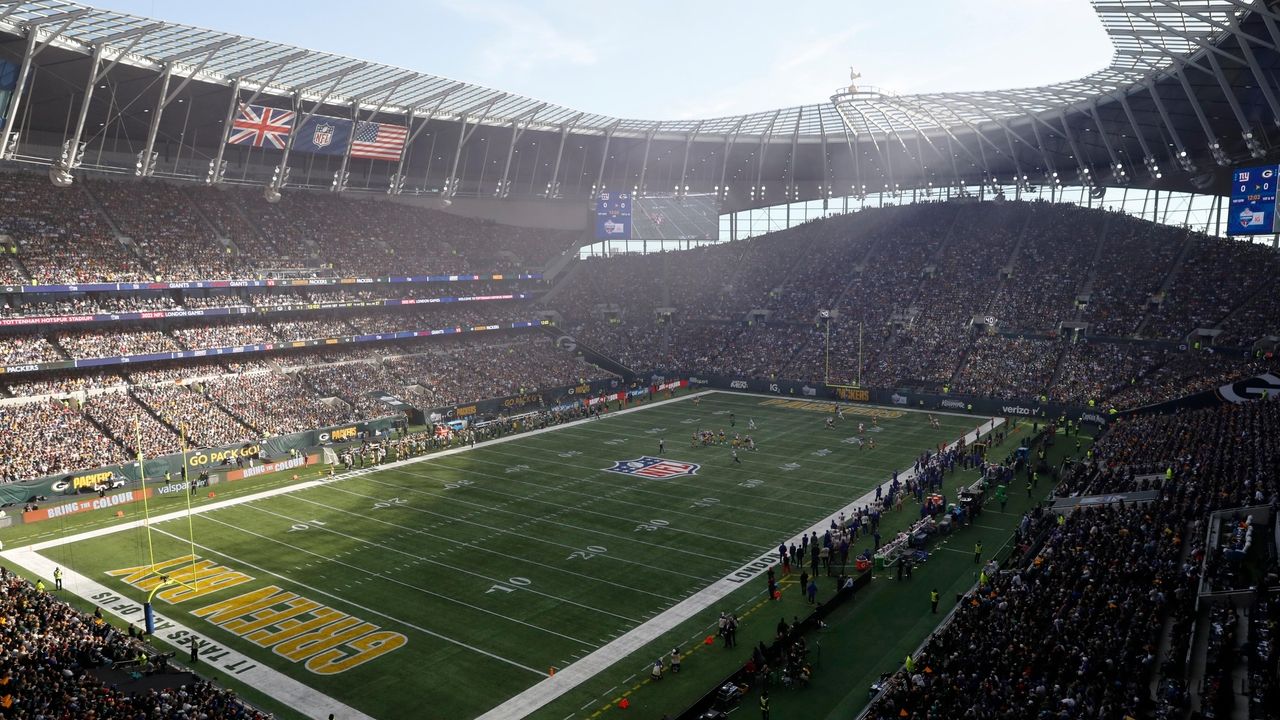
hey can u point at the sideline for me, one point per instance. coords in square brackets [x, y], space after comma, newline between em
[213, 655]
[534, 697]
[321, 482]
[266, 680]
[568, 678]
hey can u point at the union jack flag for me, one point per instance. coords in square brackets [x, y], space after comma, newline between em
[653, 467]
[261, 126]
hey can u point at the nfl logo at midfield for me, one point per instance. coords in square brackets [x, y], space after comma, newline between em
[654, 467]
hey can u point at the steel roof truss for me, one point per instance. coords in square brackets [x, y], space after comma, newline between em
[66, 18]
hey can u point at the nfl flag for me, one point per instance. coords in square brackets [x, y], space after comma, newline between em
[261, 127]
[377, 141]
[323, 135]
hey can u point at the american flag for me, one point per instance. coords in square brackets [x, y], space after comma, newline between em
[377, 141]
[261, 126]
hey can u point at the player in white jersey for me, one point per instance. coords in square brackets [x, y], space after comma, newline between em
[839, 413]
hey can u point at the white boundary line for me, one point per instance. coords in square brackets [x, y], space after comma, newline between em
[544, 692]
[270, 682]
[214, 655]
[568, 678]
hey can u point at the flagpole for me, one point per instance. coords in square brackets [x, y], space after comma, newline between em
[215, 167]
[340, 179]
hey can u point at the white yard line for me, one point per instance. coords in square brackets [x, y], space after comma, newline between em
[518, 706]
[513, 530]
[570, 677]
[214, 656]
[270, 682]
[362, 608]
[309, 484]
[477, 548]
[417, 556]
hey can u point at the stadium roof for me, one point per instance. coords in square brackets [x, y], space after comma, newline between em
[1151, 38]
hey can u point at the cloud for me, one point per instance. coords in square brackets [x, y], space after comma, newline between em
[517, 40]
[789, 78]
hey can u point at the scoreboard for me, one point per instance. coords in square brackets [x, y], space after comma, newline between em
[1253, 201]
[613, 216]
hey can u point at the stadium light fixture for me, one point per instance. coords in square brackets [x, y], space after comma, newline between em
[1256, 151]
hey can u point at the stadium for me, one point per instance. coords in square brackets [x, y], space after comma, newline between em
[334, 389]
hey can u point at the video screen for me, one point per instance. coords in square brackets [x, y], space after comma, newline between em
[667, 217]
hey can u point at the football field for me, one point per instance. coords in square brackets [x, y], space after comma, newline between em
[451, 586]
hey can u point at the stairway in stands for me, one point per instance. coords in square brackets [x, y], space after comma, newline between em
[1189, 242]
[125, 241]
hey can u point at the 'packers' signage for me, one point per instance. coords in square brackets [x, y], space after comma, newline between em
[465, 411]
[215, 457]
[326, 641]
[853, 394]
[88, 481]
[341, 434]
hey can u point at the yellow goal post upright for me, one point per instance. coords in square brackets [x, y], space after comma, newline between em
[166, 580]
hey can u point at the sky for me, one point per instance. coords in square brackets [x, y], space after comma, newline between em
[672, 59]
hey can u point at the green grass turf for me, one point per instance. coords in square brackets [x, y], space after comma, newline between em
[499, 549]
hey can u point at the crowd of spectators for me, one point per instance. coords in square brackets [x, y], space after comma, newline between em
[169, 233]
[27, 348]
[471, 369]
[1072, 633]
[906, 284]
[57, 236]
[1185, 373]
[1135, 262]
[115, 342]
[1050, 269]
[60, 382]
[61, 236]
[47, 438]
[49, 652]
[274, 404]
[356, 383]
[1007, 367]
[1090, 372]
[225, 333]
[1217, 276]
[83, 304]
[202, 421]
[131, 425]
[1073, 628]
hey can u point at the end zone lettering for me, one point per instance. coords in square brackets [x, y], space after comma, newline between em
[325, 640]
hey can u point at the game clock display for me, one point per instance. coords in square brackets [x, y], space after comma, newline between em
[613, 216]
[1253, 201]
